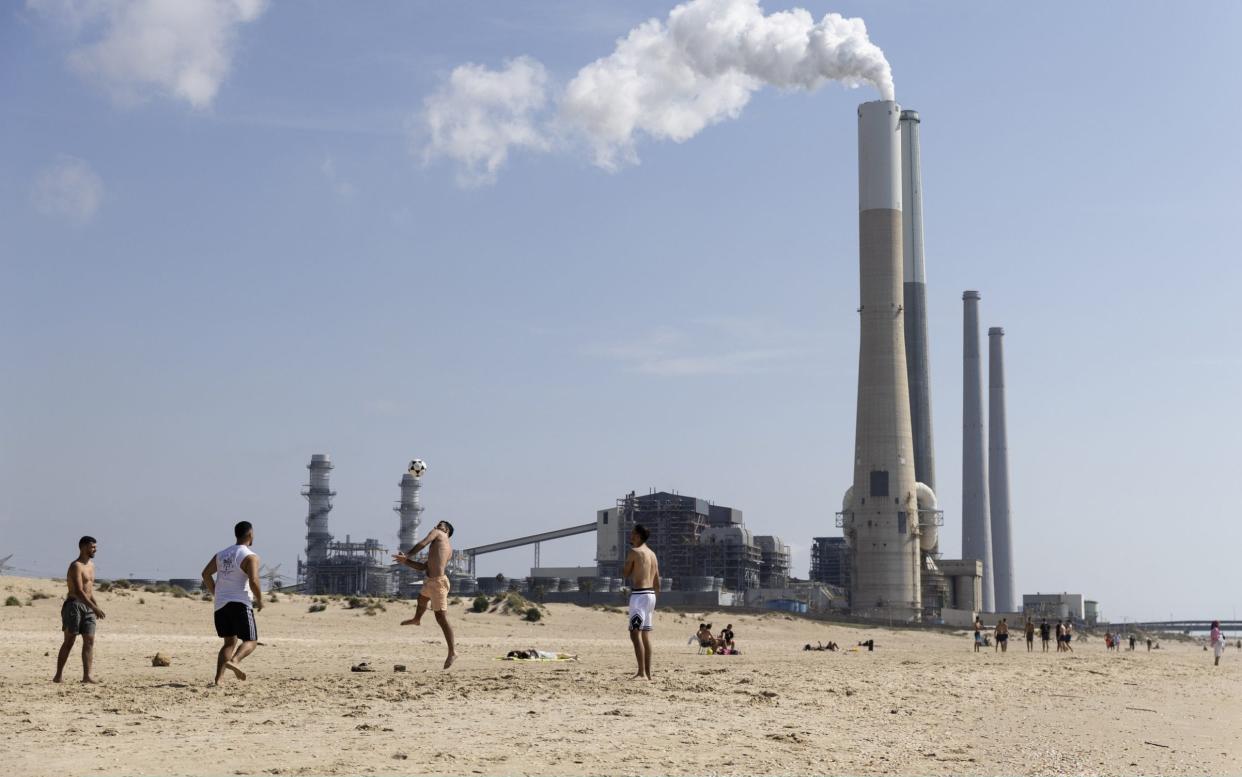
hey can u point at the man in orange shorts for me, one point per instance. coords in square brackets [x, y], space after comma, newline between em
[434, 594]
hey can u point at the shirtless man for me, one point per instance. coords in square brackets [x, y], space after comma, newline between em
[643, 571]
[78, 613]
[235, 569]
[435, 583]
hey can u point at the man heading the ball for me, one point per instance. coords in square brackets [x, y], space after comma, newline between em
[436, 583]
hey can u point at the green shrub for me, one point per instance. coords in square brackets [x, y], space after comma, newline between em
[532, 614]
[121, 584]
[12, 601]
[354, 603]
[141, 600]
[207, 597]
[480, 604]
[104, 587]
[318, 607]
[178, 592]
[40, 595]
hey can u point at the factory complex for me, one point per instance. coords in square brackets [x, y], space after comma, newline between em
[886, 564]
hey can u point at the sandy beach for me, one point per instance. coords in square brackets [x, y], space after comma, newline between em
[921, 703]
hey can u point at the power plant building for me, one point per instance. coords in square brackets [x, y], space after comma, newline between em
[700, 545]
[830, 561]
[344, 568]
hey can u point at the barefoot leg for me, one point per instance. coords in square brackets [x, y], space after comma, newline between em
[638, 652]
[226, 653]
[646, 654]
[442, 619]
[88, 657]
[63, 656]
[417, 620]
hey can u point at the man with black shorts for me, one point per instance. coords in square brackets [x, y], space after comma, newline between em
[78, 613]
[643, 571]
[1045, 632]
[235, 568]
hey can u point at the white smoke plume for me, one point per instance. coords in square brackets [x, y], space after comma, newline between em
[480, 114]
[180, 48]
[669, 79]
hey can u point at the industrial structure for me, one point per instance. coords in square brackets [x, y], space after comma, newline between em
[976, 524]
[830, 561]
[998, 475]
[410, 510]
[352, 568]
[700, 545]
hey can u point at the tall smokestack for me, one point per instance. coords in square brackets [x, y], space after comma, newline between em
[998, 474]
[976, 526]
[880, 516]
[915, 299]
[409, 509]
[319, 498]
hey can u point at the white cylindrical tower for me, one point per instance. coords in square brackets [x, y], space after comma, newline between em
[319, 503]
[998, 475]
[976, 525]
[881, 520]
[409, 509]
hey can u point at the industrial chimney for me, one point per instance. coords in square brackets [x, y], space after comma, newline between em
[976, 526]
[319, 498]
[409, 509]
[998, 475]
[915, 298]
[880, 511]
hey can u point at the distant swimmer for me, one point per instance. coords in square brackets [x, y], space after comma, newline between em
[78, 613]
[642, 569]
[236, 580]
[435, 583]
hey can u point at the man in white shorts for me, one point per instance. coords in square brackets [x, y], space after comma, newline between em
[643, 571]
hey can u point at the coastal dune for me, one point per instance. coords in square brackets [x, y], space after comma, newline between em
[921, 704]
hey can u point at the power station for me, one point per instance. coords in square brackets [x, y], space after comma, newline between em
[888, 559]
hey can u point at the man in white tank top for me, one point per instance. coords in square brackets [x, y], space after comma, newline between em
[236, 579]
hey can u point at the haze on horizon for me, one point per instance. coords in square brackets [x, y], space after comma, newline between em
[223, 256]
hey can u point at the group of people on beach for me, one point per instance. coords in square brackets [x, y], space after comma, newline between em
[1000, 635]
[721, 644]
[231, 578]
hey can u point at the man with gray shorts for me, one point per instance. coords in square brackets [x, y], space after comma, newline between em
[78, 613]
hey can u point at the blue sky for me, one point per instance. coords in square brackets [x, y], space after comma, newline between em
[207, 280]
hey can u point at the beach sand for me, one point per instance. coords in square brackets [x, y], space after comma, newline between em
[922, 704]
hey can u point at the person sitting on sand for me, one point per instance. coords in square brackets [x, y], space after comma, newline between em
[706, 639]
[868, 644]
[78, 613]
[834, 647]
[435, 591]
[726, 636]
[227, 577]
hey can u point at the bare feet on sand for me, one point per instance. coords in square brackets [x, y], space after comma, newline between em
[90, 681]
[449, 661]
[411, 622]
[235, 669]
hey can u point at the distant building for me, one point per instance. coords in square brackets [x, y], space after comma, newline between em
[700, 545]
[1059, 606]
[830, 561]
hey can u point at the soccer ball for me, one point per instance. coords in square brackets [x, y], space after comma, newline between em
[418, 467]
